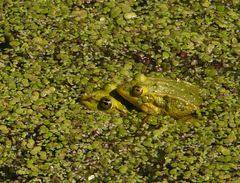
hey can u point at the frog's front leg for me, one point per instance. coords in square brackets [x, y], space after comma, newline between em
[189, 119]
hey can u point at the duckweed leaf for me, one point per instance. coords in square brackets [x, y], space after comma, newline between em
[115, 12]
[4, 129]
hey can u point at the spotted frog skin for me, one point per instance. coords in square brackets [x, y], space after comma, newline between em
[159, 95]
[104, 100]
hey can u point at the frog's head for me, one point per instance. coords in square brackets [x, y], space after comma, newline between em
[103, 100]
[138, 94]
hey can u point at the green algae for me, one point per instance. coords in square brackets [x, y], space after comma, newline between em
[51, 52]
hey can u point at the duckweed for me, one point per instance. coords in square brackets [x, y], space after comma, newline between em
[51, 52]
[4, 129]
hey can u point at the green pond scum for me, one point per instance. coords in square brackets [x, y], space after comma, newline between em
[52, 53]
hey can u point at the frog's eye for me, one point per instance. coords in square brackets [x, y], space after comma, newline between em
[105, 103]
[137, 91]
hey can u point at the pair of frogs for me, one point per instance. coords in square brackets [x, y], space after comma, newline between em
[152, 95]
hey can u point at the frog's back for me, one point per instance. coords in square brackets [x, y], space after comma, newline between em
[177, 89]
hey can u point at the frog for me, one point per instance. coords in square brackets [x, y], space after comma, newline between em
[105, 99]
[161, 95]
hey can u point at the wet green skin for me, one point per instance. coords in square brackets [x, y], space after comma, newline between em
[93, 100]
[162, 96]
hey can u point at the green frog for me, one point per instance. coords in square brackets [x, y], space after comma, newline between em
[159, 95]
[152, 95]
[104, 100]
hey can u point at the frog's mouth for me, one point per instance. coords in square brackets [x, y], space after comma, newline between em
[89, 105]
[149, 108]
